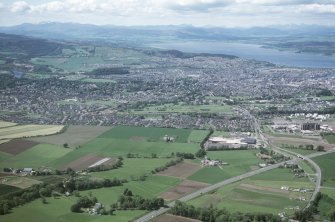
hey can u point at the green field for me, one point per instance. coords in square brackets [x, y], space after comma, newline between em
[240, 161]
[260, 193]
[327, 165]
[197, 136]
[153, 186]
[301, 151]
[149, 134]
[132, 168]
[59, 210]
[330, 138]
[41, 155]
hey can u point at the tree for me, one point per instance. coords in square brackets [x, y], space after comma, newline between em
[66, 145]
[201, 153]
[76, 208]
[320, 148]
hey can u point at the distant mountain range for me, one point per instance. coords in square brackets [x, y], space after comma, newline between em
[149, 34]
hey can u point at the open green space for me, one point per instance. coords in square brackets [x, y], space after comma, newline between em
[132, 168]
[153, 186]
[41, 155]
[330, 138]
[303, 152]
[260, 193]
[327, 165]
[57, 210]
[306, 167]
[197, 136]
[150, 134]
[239, 162]
[221, 134]
[4, 156]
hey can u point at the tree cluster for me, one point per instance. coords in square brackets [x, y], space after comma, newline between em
[219, 215]
[185, 155]
[200, 153]
[83, 202]
[128, 201]
[167, 165]
[77, 184]
[103, 167]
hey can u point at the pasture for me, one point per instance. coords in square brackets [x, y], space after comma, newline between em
[327, 165]
[260, 193]
[197, 136]
[239, 162]
[132, 168]
[73, 135]
[149, 134]
[36, 157]
[59, 210]
[330, 138]
[152, 187]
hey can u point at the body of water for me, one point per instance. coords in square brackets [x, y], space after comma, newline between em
[251, 51]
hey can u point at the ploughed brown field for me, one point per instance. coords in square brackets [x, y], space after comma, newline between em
[186, 187]
[17, 146]
[181, 170]
[86, 161]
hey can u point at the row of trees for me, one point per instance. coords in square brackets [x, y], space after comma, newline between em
[167, 165]
[85, 184]
[219, 215]
[103, 167]
[185, 155]
[319, 148]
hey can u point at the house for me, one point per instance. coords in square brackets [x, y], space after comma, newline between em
[96, 209]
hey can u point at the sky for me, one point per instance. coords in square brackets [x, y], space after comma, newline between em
[226, 13]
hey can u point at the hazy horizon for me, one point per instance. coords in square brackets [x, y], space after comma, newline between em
[199, 13]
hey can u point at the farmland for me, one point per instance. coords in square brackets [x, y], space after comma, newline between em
[150, 134]
[330, 138]
[260, 193]
[19, 131]
[73, 135]
[327, 165]
[239, 162]
[41, 155]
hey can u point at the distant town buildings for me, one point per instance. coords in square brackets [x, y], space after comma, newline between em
[310, 126]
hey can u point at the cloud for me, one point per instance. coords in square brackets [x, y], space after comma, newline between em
[195, 5]
[317, 8]
[20, 7]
